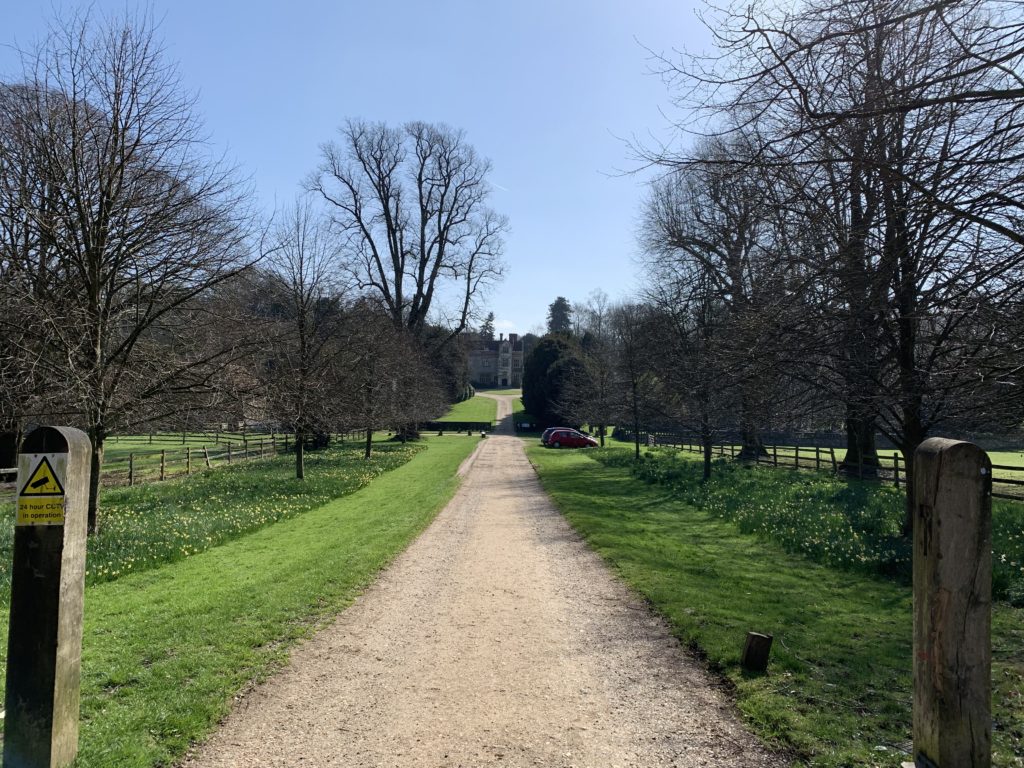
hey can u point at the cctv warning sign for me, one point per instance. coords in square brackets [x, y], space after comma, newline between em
[41, 488]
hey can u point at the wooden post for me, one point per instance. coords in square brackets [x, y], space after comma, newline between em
[756, 651]
[44, 648]
[732, 450]
[775, 455]
[896, 469]
[261, 447]
[952, 604]
[206, 455]
[817, 458]
[286, 443]
[229, 453]
[245, 447]
[273, 444]
[832, 455]
[188, 460]
[796, 457]
[131, 469]
[163, 463]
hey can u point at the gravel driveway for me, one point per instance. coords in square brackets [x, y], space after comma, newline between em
[497, 638]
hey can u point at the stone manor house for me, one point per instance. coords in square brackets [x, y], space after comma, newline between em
[498, 363]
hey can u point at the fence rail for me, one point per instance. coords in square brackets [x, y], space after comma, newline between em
[891, 468]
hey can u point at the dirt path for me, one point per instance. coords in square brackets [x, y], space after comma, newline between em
[497, 638]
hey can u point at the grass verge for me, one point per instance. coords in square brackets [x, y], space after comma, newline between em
[165, 651]
[477, 408]
[838, 691]
[146, 526]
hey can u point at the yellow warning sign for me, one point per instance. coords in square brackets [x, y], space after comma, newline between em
[43, 481]
[41, 494]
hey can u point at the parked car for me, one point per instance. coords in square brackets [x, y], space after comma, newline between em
[569, 438]
[548, 432]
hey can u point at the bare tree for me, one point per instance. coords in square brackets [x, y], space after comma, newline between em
[387, 382]
[303, 264]
[131, 219]
[639, 386]
[410, 204]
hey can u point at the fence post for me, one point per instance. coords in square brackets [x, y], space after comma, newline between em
[896, 469]
[817, 458]
[188, 460]
[261, 447]
[775, 455]
[229, 453]
[131, 469]
[732, 450]
[163, 463]
[796, 457]
[952, 604]
[273, 444]
[206, 455]
[245, 447]
[44, 647]
[286, 443]
[832, 455]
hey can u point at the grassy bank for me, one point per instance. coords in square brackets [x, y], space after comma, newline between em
[838, 691]
[166, 650]
[477, 408]
[145, 526]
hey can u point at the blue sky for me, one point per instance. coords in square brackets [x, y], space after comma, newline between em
[548, 91]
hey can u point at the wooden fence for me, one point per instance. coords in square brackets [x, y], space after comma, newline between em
[892, 467]
[149, 465]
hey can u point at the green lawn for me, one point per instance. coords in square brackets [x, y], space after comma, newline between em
[165, 651]
[475, 409]
[506, 391]
[838, 690]
[148, 525]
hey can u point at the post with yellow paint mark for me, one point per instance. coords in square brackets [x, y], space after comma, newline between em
[44, 647]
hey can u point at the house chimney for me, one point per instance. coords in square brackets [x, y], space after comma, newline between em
[513, 338]
[501, 337]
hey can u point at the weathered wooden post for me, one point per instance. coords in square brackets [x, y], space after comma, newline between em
[756, 651]
[832, 455]
[796, 457]
[206, 455]
[44, 646]
[896, 469]
[163, 463]
[188, 460]
[229, 453]
[131, 469]
[817, 458]
[952, 605]
[775, 456]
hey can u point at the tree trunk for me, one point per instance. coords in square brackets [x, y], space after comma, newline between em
[705, 441]
[752, 447]
[600, 432]
[300, 454]
[97, 434]
[369, 443]
[861, 458]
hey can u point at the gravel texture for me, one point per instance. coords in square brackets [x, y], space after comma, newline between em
[497, 638]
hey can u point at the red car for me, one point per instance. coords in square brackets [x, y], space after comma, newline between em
[569, 438]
